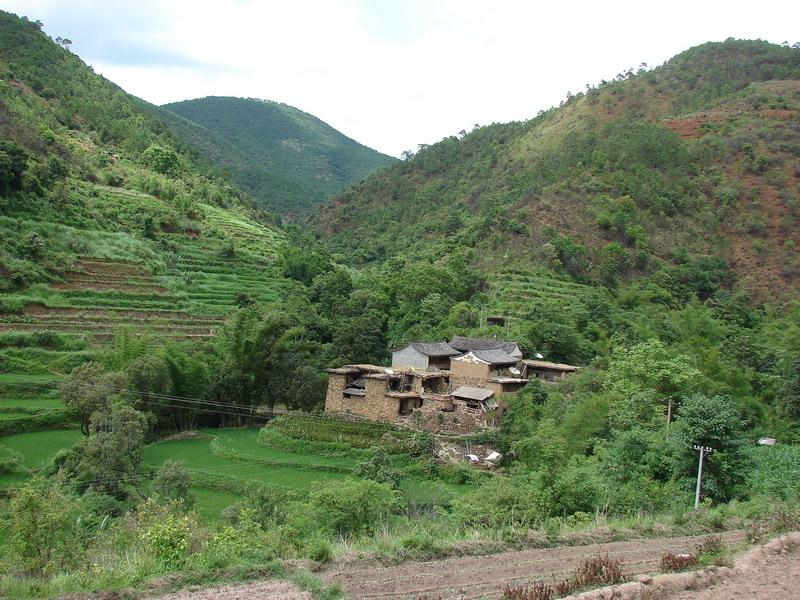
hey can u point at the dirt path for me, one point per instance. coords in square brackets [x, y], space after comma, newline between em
[474, 577]
[272, 590]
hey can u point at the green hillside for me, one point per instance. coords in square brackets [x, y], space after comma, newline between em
[700, 155]
[107, 220]
[288, 160]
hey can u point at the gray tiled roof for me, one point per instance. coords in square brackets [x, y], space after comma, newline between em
[435, 348]
[465, 344]
[495, 357]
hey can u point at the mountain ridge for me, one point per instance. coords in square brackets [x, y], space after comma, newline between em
[288, 159]
[606, 186]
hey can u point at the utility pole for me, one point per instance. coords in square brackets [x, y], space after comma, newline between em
[703, 451]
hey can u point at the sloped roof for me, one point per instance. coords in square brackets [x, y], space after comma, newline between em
[471, 393]
[543, 364]
[465, 344]
[496, 357]
[432, 348]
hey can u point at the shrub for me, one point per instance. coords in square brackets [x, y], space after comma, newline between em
[39, 528]
[353, 507]
[168, 540]
[538, 590]
[712, 551]
[502, 502]
[320, 550]
[598, 571]
[172, 481]
[677, 562]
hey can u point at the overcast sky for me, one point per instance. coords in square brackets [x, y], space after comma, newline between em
[388, 73]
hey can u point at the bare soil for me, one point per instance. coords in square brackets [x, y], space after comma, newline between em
[486, 576]
[767, 572]
[273, 590]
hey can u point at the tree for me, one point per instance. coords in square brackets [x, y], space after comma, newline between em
[149, 377]
[714, 422]
[88, 389]
[110, 456]
[162, 159]
[13, 163]
[650, 365]
[173, 482]
[791, 390]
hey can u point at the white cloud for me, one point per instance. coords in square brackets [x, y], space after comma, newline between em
[391, 83]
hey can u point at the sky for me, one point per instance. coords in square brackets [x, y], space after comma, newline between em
[393, 74]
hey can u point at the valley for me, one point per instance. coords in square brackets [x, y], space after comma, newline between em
[239, 348]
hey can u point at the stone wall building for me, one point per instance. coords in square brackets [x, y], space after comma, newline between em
[454, 387]
[418, 355]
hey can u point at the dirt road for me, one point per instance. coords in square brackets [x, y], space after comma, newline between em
[475, 577]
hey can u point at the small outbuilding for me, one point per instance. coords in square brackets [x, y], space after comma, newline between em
[547, 371]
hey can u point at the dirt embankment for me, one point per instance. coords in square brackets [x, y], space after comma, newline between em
[486, 576]
[768, 572]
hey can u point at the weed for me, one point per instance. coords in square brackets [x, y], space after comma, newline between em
[677, 562]
[598, 571]
[538, 590]
[712, 551]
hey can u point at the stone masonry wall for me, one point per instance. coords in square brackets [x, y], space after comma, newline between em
[333, 397]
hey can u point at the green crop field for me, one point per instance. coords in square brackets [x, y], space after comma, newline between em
[38, 447]
[199, 458]
[220, 458]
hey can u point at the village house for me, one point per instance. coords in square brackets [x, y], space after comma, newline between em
[427, 356]
[452, 387]
[465, 344]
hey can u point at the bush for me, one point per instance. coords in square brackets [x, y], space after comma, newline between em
[168, 540]
[172, 481]
[598, 571]
[353, 507]
[677, 562]
[320, 550]
[502, 502]
[40, 532]
[712, 551]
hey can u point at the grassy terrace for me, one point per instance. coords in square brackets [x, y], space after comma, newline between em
[515, 292]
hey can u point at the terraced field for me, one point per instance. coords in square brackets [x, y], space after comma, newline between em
[514, 293]
[182, 286]
[224, 461]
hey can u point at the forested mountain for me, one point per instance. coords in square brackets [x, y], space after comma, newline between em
[700, 156]
[288, 160]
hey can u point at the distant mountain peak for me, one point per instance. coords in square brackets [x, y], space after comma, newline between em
[287, 159]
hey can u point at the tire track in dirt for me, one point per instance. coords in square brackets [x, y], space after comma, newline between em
[485, 576]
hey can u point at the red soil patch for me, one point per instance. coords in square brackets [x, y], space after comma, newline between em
[778, 113]
[691, 127]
